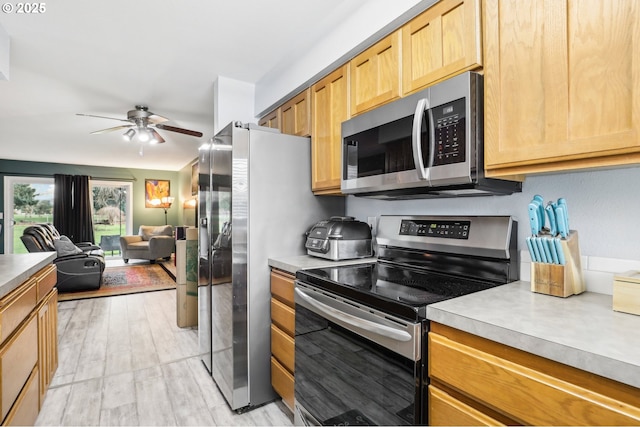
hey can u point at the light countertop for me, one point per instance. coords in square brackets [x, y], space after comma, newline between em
[304, 262]
[17, 268]
[581, 331]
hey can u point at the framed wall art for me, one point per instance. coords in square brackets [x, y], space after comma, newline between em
[154, 191]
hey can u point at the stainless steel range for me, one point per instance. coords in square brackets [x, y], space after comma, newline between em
[360, 344]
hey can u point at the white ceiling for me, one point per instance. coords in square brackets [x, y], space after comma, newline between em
[103, 57]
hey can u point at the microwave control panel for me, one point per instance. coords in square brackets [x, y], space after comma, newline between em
[449, 121]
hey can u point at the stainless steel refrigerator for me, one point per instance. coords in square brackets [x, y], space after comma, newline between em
[255, 202]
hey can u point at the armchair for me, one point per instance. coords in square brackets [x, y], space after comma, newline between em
[151, 242]
[79, 266]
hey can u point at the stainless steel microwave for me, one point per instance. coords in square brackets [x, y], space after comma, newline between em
[429, 144]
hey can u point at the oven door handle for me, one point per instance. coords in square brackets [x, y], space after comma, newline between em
[342, 317]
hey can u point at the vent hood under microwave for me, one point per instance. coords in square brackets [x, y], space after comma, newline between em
[426, 145]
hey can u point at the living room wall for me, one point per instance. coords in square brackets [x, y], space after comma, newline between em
[141, 215]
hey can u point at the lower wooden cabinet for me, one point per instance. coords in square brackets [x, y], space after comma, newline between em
[282, 335]
[282, 382]
[25, 410]
[480, 382]
[18, 357]
[445, 409]
[29, 347]
[47, 340]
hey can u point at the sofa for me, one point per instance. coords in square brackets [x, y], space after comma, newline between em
[151, 242]
[80, 265]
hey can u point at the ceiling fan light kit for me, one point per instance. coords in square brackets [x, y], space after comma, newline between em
[128, 135]
[143, 124]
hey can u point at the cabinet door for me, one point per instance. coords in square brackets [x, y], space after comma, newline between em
[445, 410]
[296, 115]
[375, 74]
[526, 388]
[443, 41]
[271, 120]
[562, 85]
[47, 341]
[329, 107]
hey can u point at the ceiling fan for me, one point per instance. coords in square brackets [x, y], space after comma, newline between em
[143, 123]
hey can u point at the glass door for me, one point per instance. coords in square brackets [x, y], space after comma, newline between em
[27, 201]
[112, 216]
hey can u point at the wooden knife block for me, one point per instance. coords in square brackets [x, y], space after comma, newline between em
[560, 280]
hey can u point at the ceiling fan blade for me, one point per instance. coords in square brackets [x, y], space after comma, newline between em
[179, 130]
[102, 117]
[155, 119]
[110, 129]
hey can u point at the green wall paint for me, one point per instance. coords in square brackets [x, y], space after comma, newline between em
[141, 215]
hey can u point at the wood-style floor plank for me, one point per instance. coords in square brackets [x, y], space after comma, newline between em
[124, 361]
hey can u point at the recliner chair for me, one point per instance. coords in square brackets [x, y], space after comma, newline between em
[80, 266]
[152, 242]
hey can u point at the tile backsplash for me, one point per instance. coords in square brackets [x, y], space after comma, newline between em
[598, 271]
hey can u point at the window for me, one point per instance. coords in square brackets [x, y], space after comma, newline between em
[28, 200]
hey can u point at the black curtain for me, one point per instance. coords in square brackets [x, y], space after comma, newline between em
[72, 207]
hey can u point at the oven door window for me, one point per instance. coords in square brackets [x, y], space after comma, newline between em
[344, 379]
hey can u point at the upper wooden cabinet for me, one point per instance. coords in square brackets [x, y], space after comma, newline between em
[562, 85]
[443, 41]
[329, 107]
[271, 120]
[375, 74]
[295, 116]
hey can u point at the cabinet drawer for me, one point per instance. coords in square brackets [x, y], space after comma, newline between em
[18, 357]
[15, 307]
[46, 279]
[25, 411]
[445, 410]
[282, 382]
[283, 348]
[528, 395]
[283, 316]
[282, 287]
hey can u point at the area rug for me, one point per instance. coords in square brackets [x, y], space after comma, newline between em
[128, 279]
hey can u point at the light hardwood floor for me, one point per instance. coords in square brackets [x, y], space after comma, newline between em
[124, 361]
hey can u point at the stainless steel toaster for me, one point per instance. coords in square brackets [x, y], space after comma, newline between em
[339, 238]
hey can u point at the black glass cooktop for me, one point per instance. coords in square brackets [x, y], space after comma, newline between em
[401, 291]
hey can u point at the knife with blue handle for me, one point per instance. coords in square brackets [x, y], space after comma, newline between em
[534, 220]
[553, 229]
[559, 250]
[561, 222]
[540, 201]
[541, 251]
[547, 250]
[562, 202]
[552, 250]
[532, 251]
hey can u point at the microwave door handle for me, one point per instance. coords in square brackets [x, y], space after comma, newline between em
[339, 316]
[416, 139]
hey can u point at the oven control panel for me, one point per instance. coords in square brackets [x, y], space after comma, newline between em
[443, 229]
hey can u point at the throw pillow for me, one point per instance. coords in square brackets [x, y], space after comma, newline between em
[66, 247]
